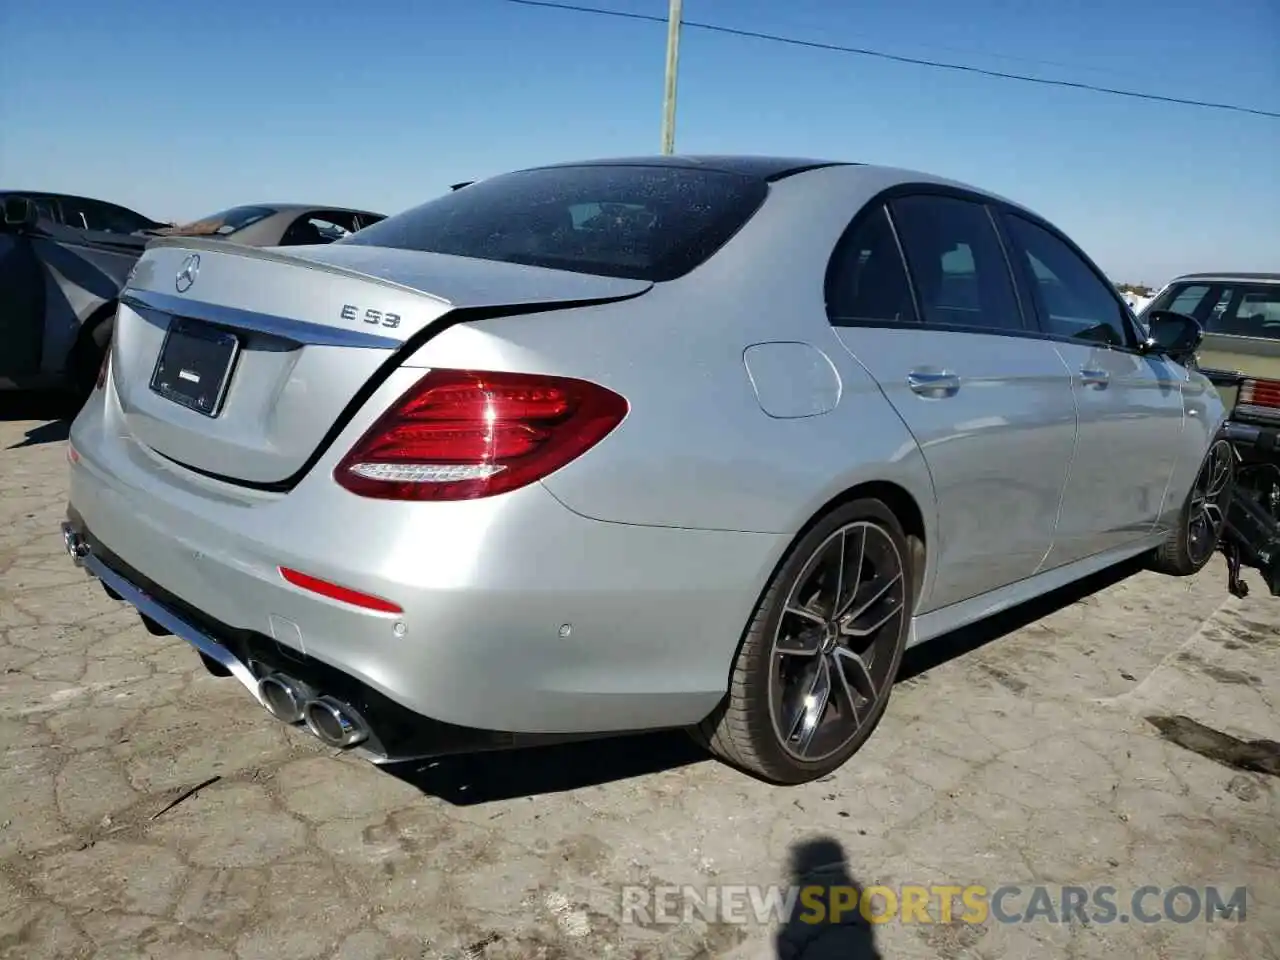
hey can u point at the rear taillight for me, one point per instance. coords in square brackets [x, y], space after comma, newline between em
[464, 434]
[1259, 393]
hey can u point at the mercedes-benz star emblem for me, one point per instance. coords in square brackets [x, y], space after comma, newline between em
[187, 275]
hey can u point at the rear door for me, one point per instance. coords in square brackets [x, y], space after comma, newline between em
[988, 401]
[1130, 406]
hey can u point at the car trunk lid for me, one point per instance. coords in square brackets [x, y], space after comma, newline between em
[264, 349]
[1231, 360]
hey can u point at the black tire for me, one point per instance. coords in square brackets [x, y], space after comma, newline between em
[1191, 544]
[85, 359]
[745, 730]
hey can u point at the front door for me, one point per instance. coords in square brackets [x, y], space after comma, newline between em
[1129, 405]
[990, 406]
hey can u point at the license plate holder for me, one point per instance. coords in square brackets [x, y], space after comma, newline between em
[195, 365]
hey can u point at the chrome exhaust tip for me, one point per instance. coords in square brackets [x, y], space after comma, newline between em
[284, 697]
[334, 723]
[74, 544]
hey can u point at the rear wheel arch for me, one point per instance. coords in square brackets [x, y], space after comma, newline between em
[740, 730]
[901, 503]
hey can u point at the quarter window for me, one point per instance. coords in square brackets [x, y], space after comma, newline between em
[957, 263]
[1072, 299]
[866, 282]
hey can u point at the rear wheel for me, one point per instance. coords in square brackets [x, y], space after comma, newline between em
[1192, 543]
[816, 666]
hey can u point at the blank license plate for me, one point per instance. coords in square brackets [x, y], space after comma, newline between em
[194, 366]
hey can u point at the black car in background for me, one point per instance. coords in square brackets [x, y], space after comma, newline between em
[63, 261]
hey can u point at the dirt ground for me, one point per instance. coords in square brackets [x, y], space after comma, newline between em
[1043, 749]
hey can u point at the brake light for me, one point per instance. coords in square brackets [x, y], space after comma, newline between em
[466, 434]
[1260, 393]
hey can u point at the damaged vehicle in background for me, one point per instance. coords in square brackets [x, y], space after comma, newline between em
[699, 442]
[1240, 354]
[278, 224]
[63, 262]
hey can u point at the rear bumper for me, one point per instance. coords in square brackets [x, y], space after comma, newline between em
[1265, 440]
[394, 733]
[519, 616]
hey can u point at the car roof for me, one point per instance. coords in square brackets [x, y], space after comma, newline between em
[1229, 275]
[751, 165]
[300, 207]
[64, 196]
[778, 168]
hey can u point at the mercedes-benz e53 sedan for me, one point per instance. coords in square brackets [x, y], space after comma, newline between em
[696, 442]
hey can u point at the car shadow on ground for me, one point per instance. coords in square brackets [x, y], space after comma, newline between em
[476, 778]
[56, 410]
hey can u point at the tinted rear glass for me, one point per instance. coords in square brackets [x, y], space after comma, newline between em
[638, 222]
[224, 223]
[1237, 308]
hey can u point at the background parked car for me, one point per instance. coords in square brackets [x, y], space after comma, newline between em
[1240, 314]
[278, 224]
[1240, 353]
[64, 261]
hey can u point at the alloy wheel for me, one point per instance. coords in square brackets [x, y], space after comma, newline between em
[1207, 515]
[834, 645]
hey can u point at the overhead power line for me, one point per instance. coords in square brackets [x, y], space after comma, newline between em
[898, 58]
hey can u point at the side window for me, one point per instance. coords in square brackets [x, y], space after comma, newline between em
[1189, 300]
[312, 229]
[1072, 299]
[75, 213]
[866, 281]
[47, 208]
[957, 262]
[112, 219]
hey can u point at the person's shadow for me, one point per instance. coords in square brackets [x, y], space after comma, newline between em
[825, 923]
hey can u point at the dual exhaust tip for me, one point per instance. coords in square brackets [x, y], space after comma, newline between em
[331, 721]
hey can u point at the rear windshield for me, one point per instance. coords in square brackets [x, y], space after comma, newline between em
[638, 222]
[222, 224]
[1237, 308]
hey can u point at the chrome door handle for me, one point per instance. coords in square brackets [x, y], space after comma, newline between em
[1094, 378]
[930, 383]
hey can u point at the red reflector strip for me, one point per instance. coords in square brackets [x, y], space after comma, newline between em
[73, 455]
[336, 592]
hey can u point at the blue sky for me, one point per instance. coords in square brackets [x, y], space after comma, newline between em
[179, 111]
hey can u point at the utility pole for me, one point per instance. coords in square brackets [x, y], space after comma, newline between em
[673, 60]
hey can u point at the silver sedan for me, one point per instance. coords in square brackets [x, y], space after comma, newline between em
[698, 442]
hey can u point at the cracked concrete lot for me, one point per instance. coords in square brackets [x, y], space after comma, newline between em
[1018, 753]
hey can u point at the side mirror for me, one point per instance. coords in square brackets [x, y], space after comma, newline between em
[1175, 335]
[19, 214]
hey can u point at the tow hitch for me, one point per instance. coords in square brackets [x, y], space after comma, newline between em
[1251, 534]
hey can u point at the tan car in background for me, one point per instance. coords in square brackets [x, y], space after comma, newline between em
[1240, 353]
